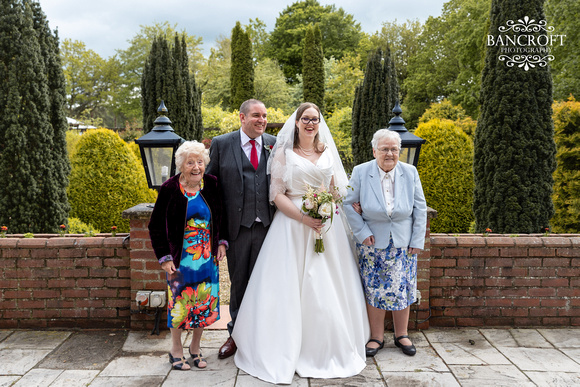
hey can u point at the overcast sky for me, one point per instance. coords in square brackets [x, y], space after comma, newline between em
[107, 25]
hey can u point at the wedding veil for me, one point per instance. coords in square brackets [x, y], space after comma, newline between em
[281, 175]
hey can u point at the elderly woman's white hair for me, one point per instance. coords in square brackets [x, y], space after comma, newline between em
[385, 133]
[190, 148]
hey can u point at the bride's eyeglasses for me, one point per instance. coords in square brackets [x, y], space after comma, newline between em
[306, 120]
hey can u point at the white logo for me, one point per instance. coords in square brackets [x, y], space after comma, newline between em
[526, 46]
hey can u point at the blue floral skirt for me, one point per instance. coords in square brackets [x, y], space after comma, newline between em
[389, 276]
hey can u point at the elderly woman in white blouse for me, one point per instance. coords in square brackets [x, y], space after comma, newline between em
[389, 227]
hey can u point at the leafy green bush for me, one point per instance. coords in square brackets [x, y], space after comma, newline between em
[445, 168]
[76, 226]
[72, 139]
[566, 194]
[445, 110]
[105, 180]
[340, 124]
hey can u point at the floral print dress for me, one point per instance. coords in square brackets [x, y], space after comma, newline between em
[194, 287]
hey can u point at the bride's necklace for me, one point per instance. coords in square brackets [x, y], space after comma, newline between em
[307, 152]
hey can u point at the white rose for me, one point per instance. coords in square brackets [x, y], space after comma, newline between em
[325, 210]
[308, 204]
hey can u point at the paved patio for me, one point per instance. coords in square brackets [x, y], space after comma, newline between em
[445, 357]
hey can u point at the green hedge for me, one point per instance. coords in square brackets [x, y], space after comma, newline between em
[445, 168]
[105, 180]
[566, 194]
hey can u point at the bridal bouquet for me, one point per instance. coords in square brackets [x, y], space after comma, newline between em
[321, 204]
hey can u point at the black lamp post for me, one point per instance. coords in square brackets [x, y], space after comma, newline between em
[410, 144]
[158, 148]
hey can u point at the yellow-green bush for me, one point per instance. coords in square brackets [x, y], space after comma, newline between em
[72, 139]
[445, 110]
[340, 124]
[105, 180]
[445, 168]
[76, 226]
[566, 194]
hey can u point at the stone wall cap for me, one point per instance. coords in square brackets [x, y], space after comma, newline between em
[140, 211]
[550, 241]
[443, 240]
[500, 241]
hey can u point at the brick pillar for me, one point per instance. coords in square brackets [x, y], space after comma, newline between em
[146, 274]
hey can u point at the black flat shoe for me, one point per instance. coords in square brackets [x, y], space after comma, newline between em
[373, 351]
[409, 350]
[177, 363]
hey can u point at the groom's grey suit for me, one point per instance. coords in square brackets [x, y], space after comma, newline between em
[245, 196]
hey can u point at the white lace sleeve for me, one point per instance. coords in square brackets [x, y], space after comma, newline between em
[279, 174]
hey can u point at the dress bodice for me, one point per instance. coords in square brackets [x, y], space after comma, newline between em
[305, 173]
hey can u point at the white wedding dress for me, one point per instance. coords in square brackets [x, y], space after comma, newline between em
[303, 312]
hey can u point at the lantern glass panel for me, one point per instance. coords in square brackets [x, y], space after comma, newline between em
[159, 163]
[407, 155]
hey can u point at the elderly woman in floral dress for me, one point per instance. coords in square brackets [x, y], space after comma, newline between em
[388, 220]
[184, 234]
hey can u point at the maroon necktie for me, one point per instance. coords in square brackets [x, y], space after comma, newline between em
[254, 154]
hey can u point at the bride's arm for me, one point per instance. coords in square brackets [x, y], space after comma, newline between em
[284, 204]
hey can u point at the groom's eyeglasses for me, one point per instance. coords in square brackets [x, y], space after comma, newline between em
[309, 120]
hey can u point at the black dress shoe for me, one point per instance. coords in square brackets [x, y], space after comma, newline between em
[409, 350]
[373, 351]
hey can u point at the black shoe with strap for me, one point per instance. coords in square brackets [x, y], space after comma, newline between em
[409, 350]
[373, 351]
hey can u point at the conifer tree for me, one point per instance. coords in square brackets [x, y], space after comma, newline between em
[33, 162]
[313, 67]
[166, 77]
[514, 150]
[242, 69]
[373, 103]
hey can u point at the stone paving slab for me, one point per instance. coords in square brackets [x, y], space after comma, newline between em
[131, 381]
[143, 365]
[554, 379]
[87, 350]
[203, 378]
[420, 379]
[6, 381]
[4, 334]
[481, 352]
[38, 377]
[393, 360]
[492, 375]
[499, 337]
[453, 335]
[540, 359]
[562, 338]
[20, 361]
[142, 341]
[530, 338]
[75, 378]
[34, 340]
[573, 354]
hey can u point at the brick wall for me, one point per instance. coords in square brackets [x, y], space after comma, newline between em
[64, 282]
[505, 281]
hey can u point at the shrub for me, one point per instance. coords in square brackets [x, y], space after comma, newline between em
[445, 110]
[72, 139]
[340, 124]
[77, 226]
[566, 195]
[106, 179]
[445, 168]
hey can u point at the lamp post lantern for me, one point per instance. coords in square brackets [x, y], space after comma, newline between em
[158, 148]
[410, 144]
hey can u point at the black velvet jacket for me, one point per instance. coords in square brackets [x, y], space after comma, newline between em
[167, 223]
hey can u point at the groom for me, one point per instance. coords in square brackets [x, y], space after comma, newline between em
[238, 160]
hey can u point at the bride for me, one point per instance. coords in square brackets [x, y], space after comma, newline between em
[303, 311]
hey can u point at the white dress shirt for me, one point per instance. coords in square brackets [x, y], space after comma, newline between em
[247, 145]
[388, 186]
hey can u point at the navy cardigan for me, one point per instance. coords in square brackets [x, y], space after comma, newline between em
[167, 223]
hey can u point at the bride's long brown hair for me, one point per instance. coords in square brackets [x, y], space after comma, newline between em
[299, 112]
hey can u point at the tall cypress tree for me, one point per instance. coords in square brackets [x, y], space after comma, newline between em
[242, 69]
[166, 77]
[313, 67]
[373, 103]
[33, 163]
[514, 150]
